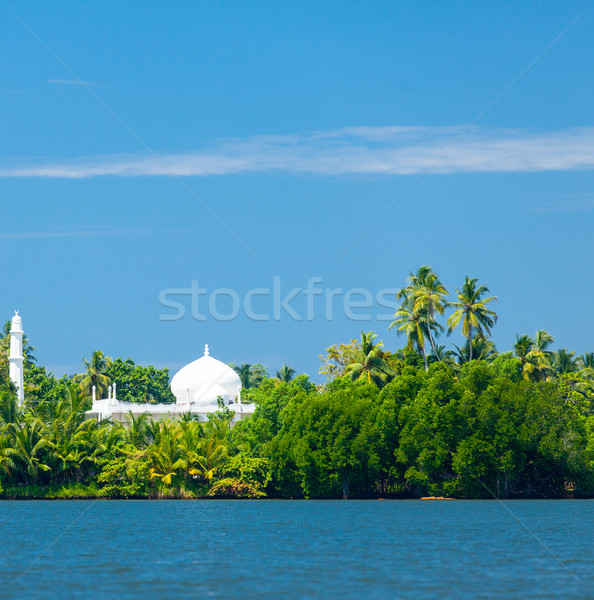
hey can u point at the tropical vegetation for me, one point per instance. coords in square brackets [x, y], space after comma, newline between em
[425, 419]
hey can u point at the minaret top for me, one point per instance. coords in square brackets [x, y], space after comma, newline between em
[17, 323]
[206, 353]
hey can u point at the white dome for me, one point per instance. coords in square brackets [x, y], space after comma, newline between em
[203, 381]
[209, 394]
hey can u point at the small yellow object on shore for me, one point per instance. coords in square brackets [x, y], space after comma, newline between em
[436, 498]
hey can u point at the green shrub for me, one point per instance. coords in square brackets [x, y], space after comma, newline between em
[126, 476]
[25, 492]
[234, 488]
[253, 471]
[73, 491]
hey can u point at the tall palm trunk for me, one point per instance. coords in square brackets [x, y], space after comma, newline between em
[470, 343]
[424, 355]
[432, 342]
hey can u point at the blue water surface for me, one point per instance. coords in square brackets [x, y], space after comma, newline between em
[297, 549]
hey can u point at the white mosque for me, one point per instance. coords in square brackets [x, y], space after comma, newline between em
[198, 387]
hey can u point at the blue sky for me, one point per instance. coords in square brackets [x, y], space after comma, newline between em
[147, 146]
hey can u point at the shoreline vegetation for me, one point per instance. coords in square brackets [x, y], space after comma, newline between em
[421, 422]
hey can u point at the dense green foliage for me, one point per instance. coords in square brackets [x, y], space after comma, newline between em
[422, 421]
[139, 384]
[482, 431]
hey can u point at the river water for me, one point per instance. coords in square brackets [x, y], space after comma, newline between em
[297, 549]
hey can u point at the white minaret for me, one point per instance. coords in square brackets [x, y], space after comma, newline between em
[16, 358]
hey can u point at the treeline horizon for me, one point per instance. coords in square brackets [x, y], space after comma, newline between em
[420, 421]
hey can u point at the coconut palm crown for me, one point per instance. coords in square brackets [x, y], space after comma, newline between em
[95, 374]
[285, 373]
[471, 311]
[368, 363]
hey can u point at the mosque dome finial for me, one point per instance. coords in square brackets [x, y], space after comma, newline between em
[206, 353]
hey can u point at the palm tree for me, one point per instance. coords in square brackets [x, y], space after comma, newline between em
[7, 465]
[190, 441]
[212, 456]
[31, 447]
[167, 456]
[564, 362]
[108, 438]
[424, 297]
[522, 347]
[410, 322]
[368, 363]
[95, 374]
[586, 364]
[430, 298]
[153, 431]
[587, 360]
[482, 349]
[207, 448]
[138, 430]
[447, 357]
[245, 374]
[74, 455]
[414, 282]
[285, 373]
[251, 376]
[259, 374]
[534, 356]
[537, 366]
[9, 406]
[472, 312]
[542, 340]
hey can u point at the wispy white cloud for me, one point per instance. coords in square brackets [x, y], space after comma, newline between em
[70, 82]
[352, 150]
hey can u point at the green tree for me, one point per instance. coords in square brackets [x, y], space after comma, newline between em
[431, 298]
[285, 373]
[522, 347]
[31, 449]
[368, 363]
[138, 430]
[95, 374]
[330, 444]
[251, 376]
[410, 323]
[542, 340]
[337, 358]
[414, 281]
[472, 312]
[10, 411]
[136, 383]
[564, 361]
[587, 360]
[126, 476]
[481, 348]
